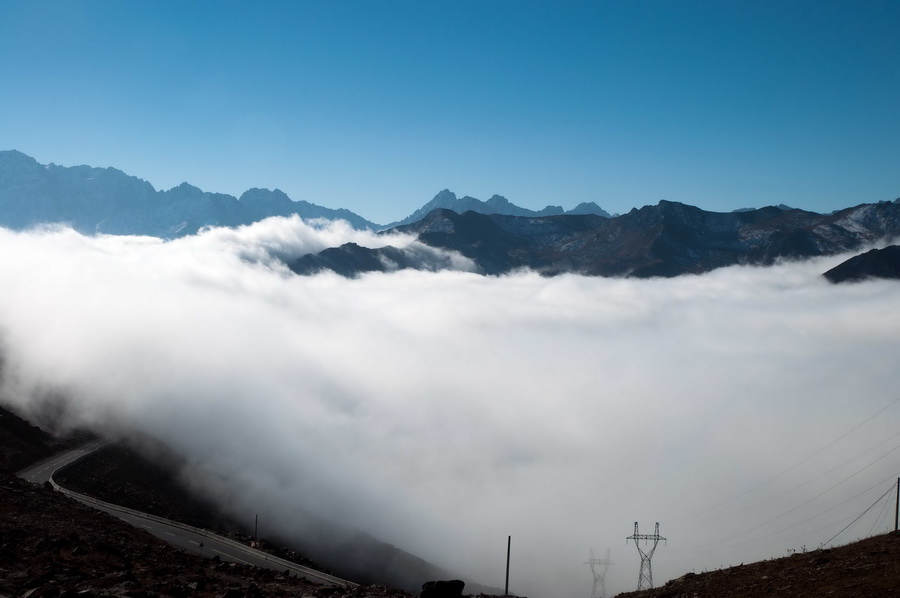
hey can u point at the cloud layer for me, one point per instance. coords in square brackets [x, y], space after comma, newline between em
[444, 412]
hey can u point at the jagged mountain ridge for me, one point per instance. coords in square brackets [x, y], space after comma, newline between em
[497, 204]
[668, 239]
[106, 200]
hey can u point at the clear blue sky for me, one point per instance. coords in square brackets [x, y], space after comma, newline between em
[377, 106]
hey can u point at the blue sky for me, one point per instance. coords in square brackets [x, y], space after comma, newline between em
[377, 106]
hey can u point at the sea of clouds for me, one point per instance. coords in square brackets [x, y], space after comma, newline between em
[750, 410]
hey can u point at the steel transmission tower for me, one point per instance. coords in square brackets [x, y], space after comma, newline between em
[599, 567]
[645, 581]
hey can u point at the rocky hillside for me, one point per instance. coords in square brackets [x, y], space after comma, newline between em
[119, 474]
[22, 443]
[54, 547]
[876, 263]
[668, 239]
[866, 569]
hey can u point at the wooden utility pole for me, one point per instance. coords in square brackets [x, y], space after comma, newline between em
[508, 545]
[897, 509]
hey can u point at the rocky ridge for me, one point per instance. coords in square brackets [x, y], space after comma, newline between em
[875, 263]
[863, 569]
[54, 547]
[497, 204]
[669, 239]
[106, 200]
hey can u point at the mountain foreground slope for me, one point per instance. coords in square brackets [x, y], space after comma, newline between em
[120, 475]
[875, 263]
[54, 547]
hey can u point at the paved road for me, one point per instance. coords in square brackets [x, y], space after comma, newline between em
[41, 472]
[177, 534]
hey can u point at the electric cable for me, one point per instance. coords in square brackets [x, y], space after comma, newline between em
[806, 483]
[880, 517]
[858, 518]
[802, 461]
[712, 545]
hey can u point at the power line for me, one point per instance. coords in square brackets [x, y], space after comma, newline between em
[711, 546]
[802, 461]
[891, 489]
[803, 504]
[806, 483]
[881, 515]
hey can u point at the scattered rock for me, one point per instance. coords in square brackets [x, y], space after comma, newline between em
[443, 589]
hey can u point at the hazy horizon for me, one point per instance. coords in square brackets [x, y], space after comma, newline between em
[425, 200]
[375, 107]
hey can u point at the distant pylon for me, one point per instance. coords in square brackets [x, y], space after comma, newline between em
[645, 580]
[599, 567]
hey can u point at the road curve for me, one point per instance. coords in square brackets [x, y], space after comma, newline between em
[42, 471]
[177, 534]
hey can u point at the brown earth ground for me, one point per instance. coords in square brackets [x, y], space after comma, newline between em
[54, 547]
[118, 474]
[121, 475]
[868, 568]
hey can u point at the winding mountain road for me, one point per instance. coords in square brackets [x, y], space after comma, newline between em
[177, 534]
[42, 472]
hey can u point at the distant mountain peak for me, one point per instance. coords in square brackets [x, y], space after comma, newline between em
[589, 207]
[186, 188]
[497, 201]
[107, 200]
[445, 195]
[497, 204]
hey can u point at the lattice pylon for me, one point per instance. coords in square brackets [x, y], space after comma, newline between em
[599, 567]
[645, 578]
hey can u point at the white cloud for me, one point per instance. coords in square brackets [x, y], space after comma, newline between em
[443, 412]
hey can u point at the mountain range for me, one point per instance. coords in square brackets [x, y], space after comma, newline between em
[668, 239]
[106, 200]
[497, 204]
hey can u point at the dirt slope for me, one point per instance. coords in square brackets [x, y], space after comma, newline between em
[869, 568]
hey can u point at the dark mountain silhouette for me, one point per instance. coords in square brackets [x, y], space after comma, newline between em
[351, 259]
[668, 239]
[876, 263]
[106, 200]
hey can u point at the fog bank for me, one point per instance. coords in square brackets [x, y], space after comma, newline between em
[444, 412]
